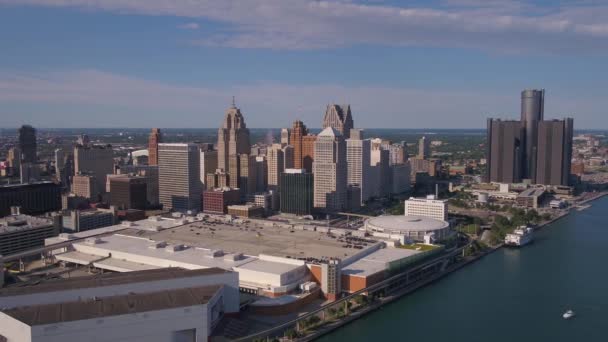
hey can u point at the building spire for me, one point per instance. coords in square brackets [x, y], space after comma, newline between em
[233, 102]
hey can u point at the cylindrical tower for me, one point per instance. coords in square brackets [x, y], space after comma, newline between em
[532, 111]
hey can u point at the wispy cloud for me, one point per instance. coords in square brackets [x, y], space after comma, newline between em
[85, 98]
[189, 26]
[509, 25]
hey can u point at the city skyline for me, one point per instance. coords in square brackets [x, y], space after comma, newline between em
[118, 64]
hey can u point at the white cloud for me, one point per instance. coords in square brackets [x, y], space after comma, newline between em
[189, 26]
[506, 25]
[93, 98]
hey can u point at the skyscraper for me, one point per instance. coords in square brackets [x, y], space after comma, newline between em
[154, 139]
[27, 144]
[276, 164]
[297, 134]
[288, 159]
[358, 155]
[397, 153]
[208, 165]
[297, 190]
[179, 176]
[96, 160]
[532, 111]
[554, 153]
[329, 168]
[381, 172]
[339, 117]
[504, 151]
[232, 137]
[424, 149]
[285, 136]
[308, 151]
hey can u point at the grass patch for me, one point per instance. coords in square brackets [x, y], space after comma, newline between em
[419, 247]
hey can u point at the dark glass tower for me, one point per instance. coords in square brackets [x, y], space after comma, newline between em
[532, 111]
[296, 192]
[27, 143]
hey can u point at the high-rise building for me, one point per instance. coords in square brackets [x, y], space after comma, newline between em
[33, 198]
[27, 144]
[288, 158]
[400, 177]
[504, 151]
[381, 173]
[179, 176]
[150, 173]
[276, 164]
[216, 201]
[208, 165]
[308, 151]
[329, 168]
[359, 172]
[532, 112]
[247, 175]
[154, 139]
[232, 138]
[424, 148]
[64, 166]
[128, 192]
[285, 136]
[84, 140]
[397, 153]
[554, 152]
[85, 186]
[298, 132]
[95, 160]
[339, 117]
[14, 159]
[261, 174]
[297, 192]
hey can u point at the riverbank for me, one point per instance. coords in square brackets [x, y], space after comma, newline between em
[330, 327]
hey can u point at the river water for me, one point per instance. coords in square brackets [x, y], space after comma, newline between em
[510, 295]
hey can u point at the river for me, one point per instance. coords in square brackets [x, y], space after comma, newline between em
[510, 295]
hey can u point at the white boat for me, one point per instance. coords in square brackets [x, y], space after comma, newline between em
[520, 237]
[568, 314]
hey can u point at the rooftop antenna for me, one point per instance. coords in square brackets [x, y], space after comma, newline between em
[233, 102]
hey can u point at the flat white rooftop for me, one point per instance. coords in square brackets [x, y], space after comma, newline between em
[406, 223]
[377, 261]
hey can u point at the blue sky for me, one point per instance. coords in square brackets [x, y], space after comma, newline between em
[414, 64]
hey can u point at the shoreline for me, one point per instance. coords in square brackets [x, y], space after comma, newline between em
[385, 301]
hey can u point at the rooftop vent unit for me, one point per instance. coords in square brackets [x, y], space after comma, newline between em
[155, 218]
[92, 241]
[214, 253]
[233, 257]
[127, 224]
[158, 245]
[174, 248]
[66, 236]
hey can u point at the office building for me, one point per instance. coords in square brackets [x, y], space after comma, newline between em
[288, 157]
[427, 207]
[150, 173]
[85, 186]
[424, 148]
[168, 304]
[14, 160]
[531, 198]
[297, 192]
[532, 112]
[29, 172]
[64, 167]
[397, 153]
[82, 220]
[400, 177]
[246, 210]
[233, 138]
[276, 164]
[554, 152]
[359, 172]
[504, 151]
[208, 165]
[154, 139]
[27, 144]
[285, 136]
[128, 192]
[329, 168]
[33, 198]
[380, 170]
[179, 177]
[216, 201]
[264, 200]
[339, 117]
[298, 132]
[95, 160]
[20, 232]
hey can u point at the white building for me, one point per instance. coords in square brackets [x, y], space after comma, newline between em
[427, 207]
[179, 177]
[329, 168]
[208, 165]
[276, 165]
[359, 167]
[154, 305]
